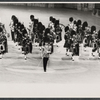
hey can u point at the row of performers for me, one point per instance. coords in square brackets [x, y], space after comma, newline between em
[36, 33]
[77, 33]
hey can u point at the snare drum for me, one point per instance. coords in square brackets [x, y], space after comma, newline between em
[2, 48]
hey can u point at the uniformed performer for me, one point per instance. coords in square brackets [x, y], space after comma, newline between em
[36, 31]
[26, 44]
[40, 33]
[94, 39]
[46, 50]
[3, 43]
[52, 33]
[87, 32]
[79, 25]
[12, 29]
[92, 35]
[75, 44]
[31, 26]
[68, 40]
[98, 43]
[50, 25]
[58, 31]
[71, 25]
[15, 24]
[74, 25]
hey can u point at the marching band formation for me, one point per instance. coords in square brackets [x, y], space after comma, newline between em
[76, 33]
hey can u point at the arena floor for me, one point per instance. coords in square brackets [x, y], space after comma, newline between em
[14, 69]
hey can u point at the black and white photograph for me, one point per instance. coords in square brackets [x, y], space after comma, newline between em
[50, 49]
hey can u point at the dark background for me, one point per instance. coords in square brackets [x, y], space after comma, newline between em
[49, 98]
[49, 0]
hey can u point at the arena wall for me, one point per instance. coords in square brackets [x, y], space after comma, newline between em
[74, 6]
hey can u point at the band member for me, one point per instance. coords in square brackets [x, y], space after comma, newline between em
[32, 18]
[98, 43]
[46, 37]
[24, 35]
[79, 25]
[26, 45]
[94, 39]
[40, 33]
[15, 23]
[19, 33]
[91, 36]
[50, 25]
[80, 35]
[53, 25]
[75, 44]
[58, 31]
[74, 25]
[71, 25]
[46, 50]
[84, 25]
[68, 40]
[85, 42]
[31, 26]
[52, 38]
[12, 29]
[3, 43]
[95, 46]
[87, 32]
[84, 30]
[35, 30]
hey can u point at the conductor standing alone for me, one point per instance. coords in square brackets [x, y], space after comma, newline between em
[46, 53]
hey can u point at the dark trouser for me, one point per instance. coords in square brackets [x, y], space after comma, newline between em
[25, 49]
[6, 46]
[12, 34]
[45, 60]
[32, 37]
[52, 48]
[76, 50]
[30, 46]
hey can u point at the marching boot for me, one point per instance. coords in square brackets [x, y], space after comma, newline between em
[66, 51]
[72, 57]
